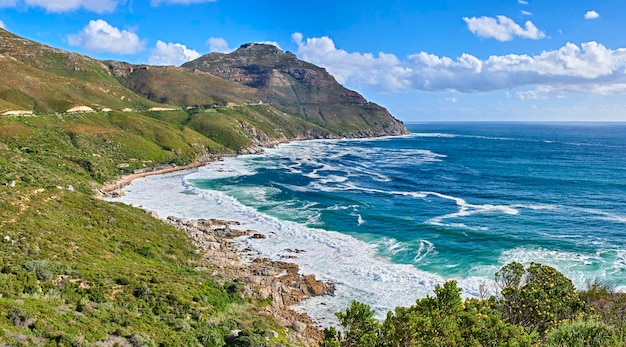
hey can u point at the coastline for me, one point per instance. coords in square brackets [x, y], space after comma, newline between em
[276, 284]
[279, 284]
[110, 188]
[288, 242]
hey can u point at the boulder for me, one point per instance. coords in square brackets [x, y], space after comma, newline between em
[298, 326]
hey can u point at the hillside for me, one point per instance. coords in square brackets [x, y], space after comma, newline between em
[43, 79]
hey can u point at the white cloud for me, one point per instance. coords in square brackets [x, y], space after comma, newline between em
[2, 25]
[99, 6]
[588, 68]
[382, 72]
[99, 37]
[171, 54]
[526, 13]
[522, 2]
[178, 2]
[592, 15]
[8, 3]
[502, 28]
[218, 45]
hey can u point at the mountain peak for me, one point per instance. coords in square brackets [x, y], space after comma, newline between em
[254, 46]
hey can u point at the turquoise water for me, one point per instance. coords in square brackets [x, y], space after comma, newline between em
[388, 219]
[455, 199]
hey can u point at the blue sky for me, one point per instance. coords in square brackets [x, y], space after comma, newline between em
[425, 60]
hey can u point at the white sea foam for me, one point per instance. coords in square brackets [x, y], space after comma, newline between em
[465, 209]
[354, 266]
[603, 215]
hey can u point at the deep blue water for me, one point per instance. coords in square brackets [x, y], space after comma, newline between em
[457, 199]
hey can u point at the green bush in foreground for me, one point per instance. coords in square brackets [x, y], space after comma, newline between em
[538, 298]
[582, 333]
[442, 320]
[537, 306]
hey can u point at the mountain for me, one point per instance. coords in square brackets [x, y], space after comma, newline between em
[299, 88]
[262, 95]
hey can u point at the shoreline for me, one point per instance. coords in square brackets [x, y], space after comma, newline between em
[279, 282]
[110, 188]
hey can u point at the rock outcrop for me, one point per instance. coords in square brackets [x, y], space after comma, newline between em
[279, 283]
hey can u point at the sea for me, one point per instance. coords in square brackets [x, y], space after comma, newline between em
[387, 219]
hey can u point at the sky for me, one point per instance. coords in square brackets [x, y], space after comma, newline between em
[428, 60]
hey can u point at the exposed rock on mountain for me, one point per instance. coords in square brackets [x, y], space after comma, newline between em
[300, 88]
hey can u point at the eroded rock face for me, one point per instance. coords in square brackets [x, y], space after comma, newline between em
[264, 278]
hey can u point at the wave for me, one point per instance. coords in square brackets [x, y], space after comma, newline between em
[355, 267]
[465, 209]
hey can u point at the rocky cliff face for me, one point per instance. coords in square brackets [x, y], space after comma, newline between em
[300, 88]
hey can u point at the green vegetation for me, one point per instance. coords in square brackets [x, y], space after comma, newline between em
[537, 306]
[75, 270]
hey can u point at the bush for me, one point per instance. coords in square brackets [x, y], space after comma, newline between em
[18, 317]
[442, 320]
[583, 333]
[360, 326]
[141, 340]
[538, 298]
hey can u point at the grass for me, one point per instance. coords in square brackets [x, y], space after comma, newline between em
[78, 268]
[75, 270]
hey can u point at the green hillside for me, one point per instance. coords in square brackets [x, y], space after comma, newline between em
[44, 79]
[78, 271]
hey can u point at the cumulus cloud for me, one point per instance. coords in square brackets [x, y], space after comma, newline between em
[178, 2]
[502, 28]
[592, 15]
[99, 37]
[526, 13]
[218, 45]
[383, 71]
[171, 54]
[99, 6]
[590, 67]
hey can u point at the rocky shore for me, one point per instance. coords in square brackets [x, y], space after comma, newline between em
[278, 283]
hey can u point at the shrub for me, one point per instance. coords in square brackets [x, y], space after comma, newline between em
[583, 333]
[18, 317]
[141, 340]
[442, 320]
[539, 298]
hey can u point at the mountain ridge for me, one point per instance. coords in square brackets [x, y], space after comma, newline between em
[299, 88]
[42, 79]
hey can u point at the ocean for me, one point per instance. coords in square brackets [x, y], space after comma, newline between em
[388, 219]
